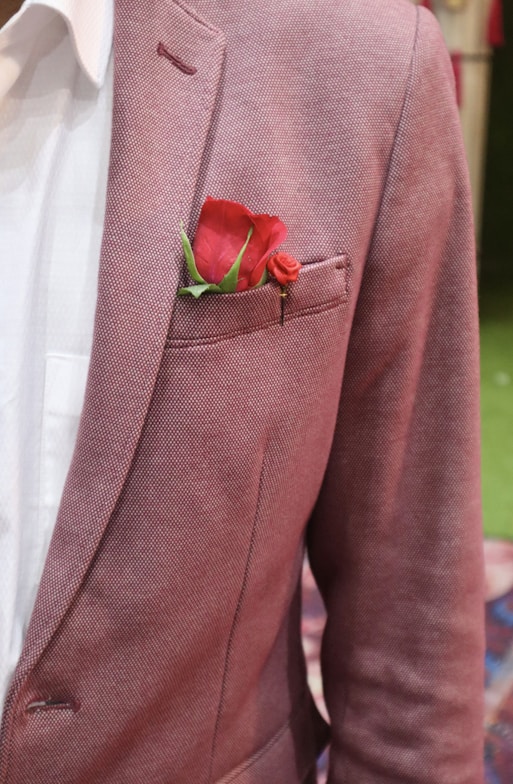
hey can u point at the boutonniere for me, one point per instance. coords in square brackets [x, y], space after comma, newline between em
[234, 250]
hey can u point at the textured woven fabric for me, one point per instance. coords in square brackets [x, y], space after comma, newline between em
[215, 442]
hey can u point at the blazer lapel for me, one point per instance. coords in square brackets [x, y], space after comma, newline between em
[167, 68]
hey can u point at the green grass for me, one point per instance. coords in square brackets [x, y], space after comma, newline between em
[496, 315]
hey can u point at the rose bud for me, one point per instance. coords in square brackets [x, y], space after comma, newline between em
[284, 267]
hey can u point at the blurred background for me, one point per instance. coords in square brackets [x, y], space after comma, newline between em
[479, 38]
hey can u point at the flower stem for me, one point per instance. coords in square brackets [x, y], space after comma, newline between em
[283, 294]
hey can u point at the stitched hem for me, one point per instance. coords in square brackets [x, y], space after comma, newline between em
[310, 310]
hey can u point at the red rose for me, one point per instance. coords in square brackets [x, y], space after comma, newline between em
[222, 231]
[284, 267]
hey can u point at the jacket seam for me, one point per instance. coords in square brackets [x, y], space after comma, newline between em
[237, 612]
[400, 123]
[193, 14]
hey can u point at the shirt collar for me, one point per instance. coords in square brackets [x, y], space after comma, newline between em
[90, 24]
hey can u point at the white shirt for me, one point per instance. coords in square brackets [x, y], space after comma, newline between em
[55, 124]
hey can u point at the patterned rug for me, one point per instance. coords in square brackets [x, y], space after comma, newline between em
[498, 719]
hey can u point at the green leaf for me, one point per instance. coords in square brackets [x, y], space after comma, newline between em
[263, 279]
[200, 289]
[229, 282]
[189, 256]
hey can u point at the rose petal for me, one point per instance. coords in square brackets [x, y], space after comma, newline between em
[222, 231]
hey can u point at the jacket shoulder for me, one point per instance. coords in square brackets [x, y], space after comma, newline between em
[379, 30]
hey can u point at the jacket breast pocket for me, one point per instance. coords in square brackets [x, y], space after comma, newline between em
[319, 286]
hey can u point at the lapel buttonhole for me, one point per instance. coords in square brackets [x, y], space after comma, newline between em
[162, 51]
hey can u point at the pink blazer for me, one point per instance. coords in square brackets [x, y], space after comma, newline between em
[216, 443]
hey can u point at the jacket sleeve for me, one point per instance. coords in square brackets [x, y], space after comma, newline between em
[395, 538]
